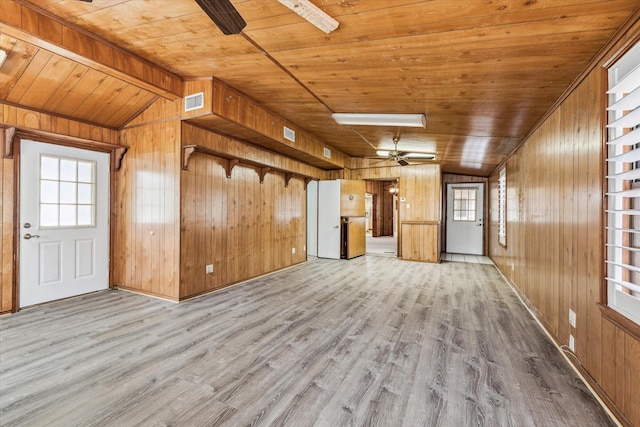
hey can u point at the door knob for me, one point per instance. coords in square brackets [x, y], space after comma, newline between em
[29, 236]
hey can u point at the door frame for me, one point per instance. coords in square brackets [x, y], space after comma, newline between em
[11, 150]
[483, 182]
[462, 179]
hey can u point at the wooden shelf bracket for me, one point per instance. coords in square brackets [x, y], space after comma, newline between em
[229, 164]
[230, 161]
[8, 139]
[262, 172]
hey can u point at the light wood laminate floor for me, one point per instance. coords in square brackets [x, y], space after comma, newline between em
[373, 341]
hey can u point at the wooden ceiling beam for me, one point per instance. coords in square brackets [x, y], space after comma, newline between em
[24, 21]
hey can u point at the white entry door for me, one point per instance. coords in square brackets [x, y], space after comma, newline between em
[329, 219]
[64, 222]
[465, 224]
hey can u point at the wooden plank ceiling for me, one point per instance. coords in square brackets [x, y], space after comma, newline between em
[484, 72]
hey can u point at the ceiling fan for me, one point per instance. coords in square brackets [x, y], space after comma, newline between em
[221, 12]
[403, 157]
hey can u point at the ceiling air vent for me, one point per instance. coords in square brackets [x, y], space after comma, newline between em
[289, 134]
[327, 153]
[194, 102]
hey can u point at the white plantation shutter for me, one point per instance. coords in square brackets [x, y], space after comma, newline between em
[623, 178]
[502, 207]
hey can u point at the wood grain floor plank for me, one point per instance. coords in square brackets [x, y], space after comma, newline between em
[370, 341]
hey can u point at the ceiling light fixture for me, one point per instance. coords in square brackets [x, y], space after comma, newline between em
[420, 156]
[404, 120]
[312, 13]
[3, 56]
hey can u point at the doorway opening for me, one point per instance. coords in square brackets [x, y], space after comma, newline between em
[381, 213]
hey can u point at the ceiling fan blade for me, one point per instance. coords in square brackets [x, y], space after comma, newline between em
[224, 15]
[379, 161]
[402, 162]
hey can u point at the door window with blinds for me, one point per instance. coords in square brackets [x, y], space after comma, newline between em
[623, 181]
[67, 192]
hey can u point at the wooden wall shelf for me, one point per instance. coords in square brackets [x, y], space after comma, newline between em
[230, 161]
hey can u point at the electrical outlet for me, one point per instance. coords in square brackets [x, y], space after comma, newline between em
[572, 343]
[293, 250]
[513, 267]
[304, 248]
[209, 269]
[572, 318]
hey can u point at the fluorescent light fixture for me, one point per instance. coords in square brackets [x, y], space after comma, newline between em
[422, 156]
[404, 120]
[312, 13]
[3, 56]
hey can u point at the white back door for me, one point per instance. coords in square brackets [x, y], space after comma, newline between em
[64, 222]
[329, 219]
[465, 224]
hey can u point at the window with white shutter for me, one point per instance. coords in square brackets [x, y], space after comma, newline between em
[623, 181]
[502, 207]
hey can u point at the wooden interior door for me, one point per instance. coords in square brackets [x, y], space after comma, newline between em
[64, 222]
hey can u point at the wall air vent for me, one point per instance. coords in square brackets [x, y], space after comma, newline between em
[327, 153]
[289, 134]
[194, 102]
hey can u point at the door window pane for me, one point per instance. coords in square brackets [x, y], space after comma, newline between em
[48, 215]
[48, 191]
[85, 193]
[49, 167]
[67, 192]
[85, 172]
[68, 170]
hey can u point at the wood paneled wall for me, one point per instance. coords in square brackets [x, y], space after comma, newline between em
[242, 227]
[554, 253]
[146, 216]
[7, 232]
[420, 185]
[12, 116]
[422, 243]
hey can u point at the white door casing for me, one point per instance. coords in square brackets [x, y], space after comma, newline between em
[465, 222]
[329, 219]
[64, 222]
